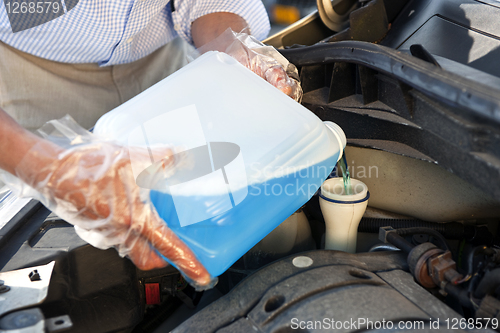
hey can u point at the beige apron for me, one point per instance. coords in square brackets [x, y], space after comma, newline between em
[34, 90]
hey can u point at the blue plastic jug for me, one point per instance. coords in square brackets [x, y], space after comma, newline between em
[253, 156]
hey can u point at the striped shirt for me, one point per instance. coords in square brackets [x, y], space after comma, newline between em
[111, 32]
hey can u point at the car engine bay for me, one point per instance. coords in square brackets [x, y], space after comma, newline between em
[415, 85]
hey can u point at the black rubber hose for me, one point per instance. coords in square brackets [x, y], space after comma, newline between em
[452, 230]
[460, 294]
[477, 251]
[421, 75]
[399, 242]
[419, 230]
[489, 283]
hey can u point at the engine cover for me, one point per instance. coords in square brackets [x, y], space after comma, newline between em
[326, 290]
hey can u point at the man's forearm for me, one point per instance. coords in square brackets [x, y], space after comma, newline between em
[208, 27]
[15, 142]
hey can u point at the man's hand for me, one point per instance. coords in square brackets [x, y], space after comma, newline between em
[93, 187]
[213, 32]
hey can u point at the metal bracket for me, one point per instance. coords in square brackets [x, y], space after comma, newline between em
[23, 291]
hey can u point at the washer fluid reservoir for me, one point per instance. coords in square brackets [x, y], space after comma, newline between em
[250, 155]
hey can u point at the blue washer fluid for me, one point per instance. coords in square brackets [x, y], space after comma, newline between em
[220, 241]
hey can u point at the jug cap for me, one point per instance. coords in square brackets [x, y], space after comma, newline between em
[338, 132]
